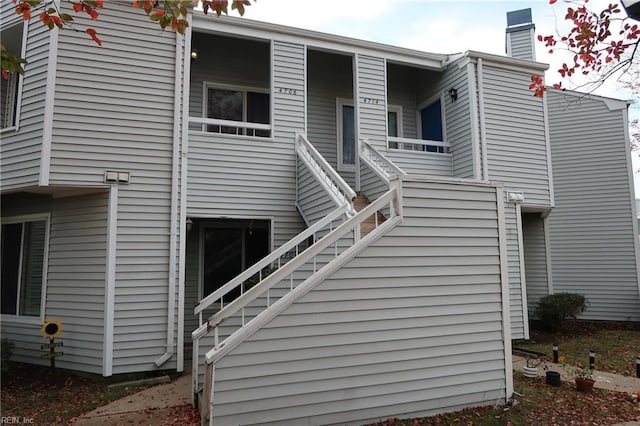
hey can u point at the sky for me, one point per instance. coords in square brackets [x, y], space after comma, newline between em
[449, 26]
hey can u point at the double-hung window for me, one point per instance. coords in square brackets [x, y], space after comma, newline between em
[243, 105]
[23, 252]
[12, 39]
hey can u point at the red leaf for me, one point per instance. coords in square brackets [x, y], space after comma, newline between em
[77, 7]
[92, 34]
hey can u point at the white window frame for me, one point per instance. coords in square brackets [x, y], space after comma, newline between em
[244, 89]
[342, 102]
[398, 110]
[45, 260]
[426, 103]
[23, 52]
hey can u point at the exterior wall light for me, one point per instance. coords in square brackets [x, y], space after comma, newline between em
[194, 54]
[111, 176]
[453, 93]
[515, 197]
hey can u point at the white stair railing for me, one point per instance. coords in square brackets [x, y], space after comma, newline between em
[333, 184]
[378, 163]
[390, 201]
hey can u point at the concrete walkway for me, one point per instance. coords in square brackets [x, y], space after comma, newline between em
[604, 380]
[151, 406]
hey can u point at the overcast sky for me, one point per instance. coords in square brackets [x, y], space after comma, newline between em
[433, 26]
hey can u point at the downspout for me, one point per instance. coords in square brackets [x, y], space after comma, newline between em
[171, 296]
[483, 130]
[183, 194]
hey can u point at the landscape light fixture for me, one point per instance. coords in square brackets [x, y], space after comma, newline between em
[632, 7]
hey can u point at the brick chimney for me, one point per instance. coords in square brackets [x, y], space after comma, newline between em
[520, 41]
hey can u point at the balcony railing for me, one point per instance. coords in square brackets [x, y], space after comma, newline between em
[407, 144]
[231, 127]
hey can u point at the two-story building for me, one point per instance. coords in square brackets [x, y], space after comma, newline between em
[329, 230]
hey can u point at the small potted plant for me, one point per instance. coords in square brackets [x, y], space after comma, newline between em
[531, 369]
[584, 380]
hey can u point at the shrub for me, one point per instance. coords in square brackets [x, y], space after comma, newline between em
[6, 350]
[553, 310]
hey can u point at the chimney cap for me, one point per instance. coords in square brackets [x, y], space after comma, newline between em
[519, 20]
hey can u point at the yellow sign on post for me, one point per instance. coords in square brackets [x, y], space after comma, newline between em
[51, 329]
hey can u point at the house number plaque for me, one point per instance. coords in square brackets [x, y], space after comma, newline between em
[287, 90]
[371, 101]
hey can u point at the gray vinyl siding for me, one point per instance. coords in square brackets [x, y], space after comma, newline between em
[458, 120]
[330, 76]
[422, 163]
[21, 150]
[515, 137]
[371, 100]
[75, 279]
[114, 110]
[252, 177]
[412, 326]
[522, 44]
[313, 202]
[535, 258]
[518, 325]
[591, 232]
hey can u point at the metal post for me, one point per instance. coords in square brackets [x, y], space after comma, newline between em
[592, 359]
[52, 352]
[555, 353]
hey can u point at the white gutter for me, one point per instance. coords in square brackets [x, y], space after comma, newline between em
[171, 296]
[483, 129]
[183, 194]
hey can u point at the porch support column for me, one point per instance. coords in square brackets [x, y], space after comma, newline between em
[110, 282]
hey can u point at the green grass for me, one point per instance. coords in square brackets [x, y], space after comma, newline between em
[616, 345]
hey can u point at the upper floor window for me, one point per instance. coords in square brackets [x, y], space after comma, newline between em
[431, 124]
[23, 255]
[12, 39]
[244, 105]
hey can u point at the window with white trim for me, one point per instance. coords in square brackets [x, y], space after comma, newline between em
[394, 123]
[23, 254]
[346, 134]
[245, 105]
[12, 39]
